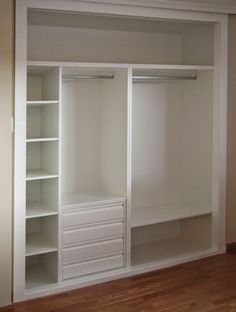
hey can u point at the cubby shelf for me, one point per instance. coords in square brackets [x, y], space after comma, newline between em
[160, 214]
[165, 249]
[32, 140]
[41, 103]
[37, 244]
[38, 209]
[39, 174]
[37, 276]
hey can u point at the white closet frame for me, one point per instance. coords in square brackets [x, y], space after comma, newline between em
[219, 137]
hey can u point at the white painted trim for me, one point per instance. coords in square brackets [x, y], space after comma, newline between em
[60, 220]
[129, 166]
[185, 5]
[223, 72]
[127, 9]
[219, 135]
[20, 152]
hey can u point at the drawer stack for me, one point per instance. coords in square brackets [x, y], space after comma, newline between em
[93, 238]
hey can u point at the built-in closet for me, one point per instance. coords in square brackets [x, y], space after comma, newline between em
[119, 142]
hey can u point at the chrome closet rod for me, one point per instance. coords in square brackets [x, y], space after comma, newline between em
[72, 77]
[135, 77]
[162, 78]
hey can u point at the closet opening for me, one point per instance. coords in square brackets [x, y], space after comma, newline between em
[172, 160]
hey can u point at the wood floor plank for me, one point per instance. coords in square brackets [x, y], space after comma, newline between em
[207, 285]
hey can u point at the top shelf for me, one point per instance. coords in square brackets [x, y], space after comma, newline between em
[172, 67]
[41, 103]
[83, 199]
[122, 65]
[167, 213]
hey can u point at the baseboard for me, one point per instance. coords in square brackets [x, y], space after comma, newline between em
[231, 247]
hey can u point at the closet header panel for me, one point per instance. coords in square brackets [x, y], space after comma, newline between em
[61, 36]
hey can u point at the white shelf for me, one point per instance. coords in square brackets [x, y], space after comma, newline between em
[38, 209]
[173, 67]
[165, 249]
[39, 174]
[89, 198]
[115, 65]
[41, 103]
[29, 140]
[159, 214]
[37, 276]
[37, 244]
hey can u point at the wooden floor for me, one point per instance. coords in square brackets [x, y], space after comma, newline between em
[205, 285]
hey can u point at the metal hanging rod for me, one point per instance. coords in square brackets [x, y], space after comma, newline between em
[87, 77]
[135, 77]
[163, 78]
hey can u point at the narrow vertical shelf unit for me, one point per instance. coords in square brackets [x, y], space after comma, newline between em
[119, 142]
[42, 185]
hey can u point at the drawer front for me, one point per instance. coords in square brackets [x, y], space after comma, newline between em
[95, 250]
[87, 234]
[93, 266]
[87, 216]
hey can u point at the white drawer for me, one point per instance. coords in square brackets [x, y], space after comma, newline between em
[98, 232]
[92, 215]
[93, 266]
[95, 250]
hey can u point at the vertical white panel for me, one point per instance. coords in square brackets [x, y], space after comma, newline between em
[114, 133]
[196, 146]
[34, 88]
[81, 136]
[50, 121]
[59, 195]
[20, 151]
[50, 85]
[220, 133]
[34, 122]
[155, 142]
[129, 169]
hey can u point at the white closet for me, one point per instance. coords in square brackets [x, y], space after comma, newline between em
[119, 142]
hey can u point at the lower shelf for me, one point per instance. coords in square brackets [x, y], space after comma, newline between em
[165, 241]
[41, 271]
[164, 249]
[37, 276]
